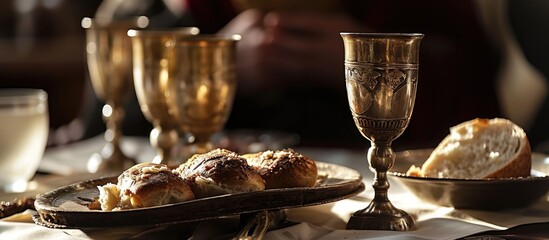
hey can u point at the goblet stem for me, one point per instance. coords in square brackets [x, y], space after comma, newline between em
[112, 116]
[196, 144]
[202, 143]
[381, 158]
[380, 213]
[163, 139]
[111, 159]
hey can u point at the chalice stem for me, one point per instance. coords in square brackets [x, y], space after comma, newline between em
[381, 158]
[380, 214]
[196, 144]
[381, 187]
[203, 143]
[113, 115]
[112, 153]
[163, 139]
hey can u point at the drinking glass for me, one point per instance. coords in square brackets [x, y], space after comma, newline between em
[150, 73]
[201, 92]
[381, 73]
[23, 136]
[109, 58]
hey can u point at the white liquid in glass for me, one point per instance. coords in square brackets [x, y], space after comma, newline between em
[23, 138]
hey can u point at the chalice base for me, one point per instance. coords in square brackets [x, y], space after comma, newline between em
[110, 160]
[372, 218]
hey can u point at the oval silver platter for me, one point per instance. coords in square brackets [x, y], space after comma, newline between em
[66, 207]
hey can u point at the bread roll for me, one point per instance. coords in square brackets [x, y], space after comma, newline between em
[284, 168]
[144, 185]
[219, 172]
[480, 148]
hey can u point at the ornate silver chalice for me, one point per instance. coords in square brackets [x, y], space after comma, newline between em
[381, 72]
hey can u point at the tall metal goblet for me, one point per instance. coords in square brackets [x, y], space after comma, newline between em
[201, 91]
[109, 58]
[381, 72]
[150, 72]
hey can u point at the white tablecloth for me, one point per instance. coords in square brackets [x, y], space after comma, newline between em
[325, 221]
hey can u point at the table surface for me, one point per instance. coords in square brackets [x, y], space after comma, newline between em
[67, 164]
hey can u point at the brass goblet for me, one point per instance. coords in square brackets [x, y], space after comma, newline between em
[201, 91]
[109, 57]
[381, 72]
[150, 73]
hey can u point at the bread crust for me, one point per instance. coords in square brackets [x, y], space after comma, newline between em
[218, 172]
[284, 168]
[159, 189]
[520, 167]
[145, 185]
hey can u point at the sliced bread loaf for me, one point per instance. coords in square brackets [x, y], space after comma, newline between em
[479, 148]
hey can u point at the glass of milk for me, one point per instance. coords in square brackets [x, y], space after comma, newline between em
[24, 125]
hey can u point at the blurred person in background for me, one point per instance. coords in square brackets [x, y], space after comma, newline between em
[521, 82]
[527, 19]
[290, 62]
